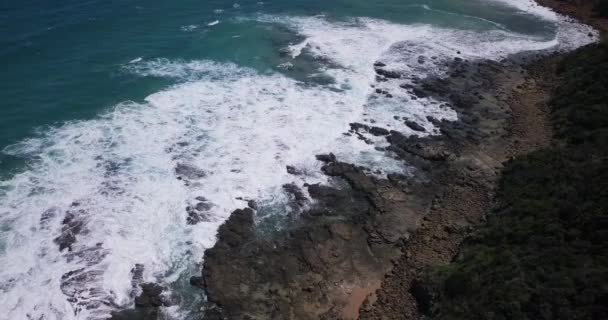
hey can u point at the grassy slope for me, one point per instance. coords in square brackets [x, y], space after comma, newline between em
[544, 253]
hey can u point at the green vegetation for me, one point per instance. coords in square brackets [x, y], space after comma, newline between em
[544, 253]
[602, 8]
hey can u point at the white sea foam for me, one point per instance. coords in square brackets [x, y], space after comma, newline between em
[186, 70]
[227, 132]
[189, 28]
[213, 23]
[531, 7]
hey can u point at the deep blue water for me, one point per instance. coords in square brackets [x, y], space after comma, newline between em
[61, 58]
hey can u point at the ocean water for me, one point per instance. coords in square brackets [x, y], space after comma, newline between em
[117, 116]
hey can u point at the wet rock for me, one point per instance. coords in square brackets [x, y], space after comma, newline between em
[293, 170]
[381, 79]
[414, 126]
[433, 120]
[419, 92]
[147, 304]
[388, 74]
[433, 150]
[338, 169]
[326, 157]
[396, 177]
[252, 204]
[238, 229]
[195, 215]
[203, 206]
[355, 126]
[191, 172]
[379, 64]
[296, 192]
[377, 131]
[150, 296]
[407, 86]
[47, 216]
[197, 281]
[72, 226]
[137, 275]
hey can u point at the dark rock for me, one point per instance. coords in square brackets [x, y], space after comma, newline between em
[295, 192]
[150, 296]
[355, 126]
[379, 64]
[377, 131]
[252, 204]
[414, 126]
[137, 275]
[293, 170]
[326, 157]
[396, 177]
[407, 86]
[420, 93]
[198, 282]
[197, 214]
[388, 74]
[238, 229]
[189, 172]
[433, 120]
[203, 206]
[71, 227]
[433, 150]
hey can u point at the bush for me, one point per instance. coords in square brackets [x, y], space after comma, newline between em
[543, 254]
[602, 8]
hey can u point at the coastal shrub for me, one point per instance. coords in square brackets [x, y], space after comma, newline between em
[602, 8]
[542, 254]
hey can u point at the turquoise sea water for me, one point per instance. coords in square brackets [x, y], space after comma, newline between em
[104, 103]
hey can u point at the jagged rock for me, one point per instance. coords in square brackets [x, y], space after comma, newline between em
[414, 126]
[377, 131]
[150, 296]
[197, 281]
[186, 171]
[238, 229]
[71, 227]
[388, 74]
[326, 157]
[293, 170]
[203, 206]
[295, 191]
[355, 126]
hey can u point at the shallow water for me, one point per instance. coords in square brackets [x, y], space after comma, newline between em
[117, 116]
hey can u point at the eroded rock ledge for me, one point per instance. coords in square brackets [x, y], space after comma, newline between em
[335, 257]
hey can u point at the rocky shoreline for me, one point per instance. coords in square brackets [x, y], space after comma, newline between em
[341, 258]
[357, 252]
